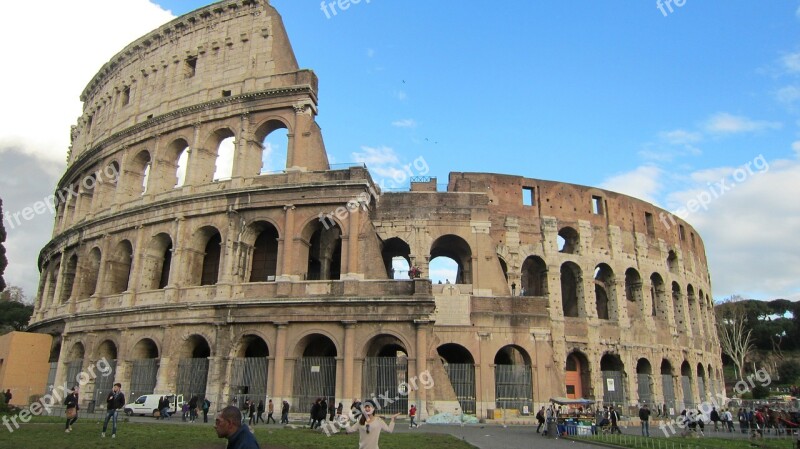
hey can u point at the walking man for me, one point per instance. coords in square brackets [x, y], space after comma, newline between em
[285, 412]
[270, 411]
[114, 402]
[644, 416]
[614, 418]
[412, 413]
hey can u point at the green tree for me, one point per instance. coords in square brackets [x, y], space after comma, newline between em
[14, 313]
[789, 371]
[3, 259]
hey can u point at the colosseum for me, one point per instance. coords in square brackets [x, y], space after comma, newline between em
[233, 281]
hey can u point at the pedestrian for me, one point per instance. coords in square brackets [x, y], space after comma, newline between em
[412, 413]
[332, 409]
[206, 407]
[322, 413]
[729, 420]
[339, 409]
[185, 412]
[260, 411]
[244, 409]
[540, 419]
[71, 402]
[370, 426]
[715, 418]
[228, 424]
[164, 406]
[644, 416]
[8, 396]
[742, 416]
[612, 413]
[251, 409]
[114, 402]
[285, 412]
[193, 408]
[314, 412]
[270, 411]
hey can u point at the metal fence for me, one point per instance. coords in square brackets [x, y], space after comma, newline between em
[314, 377]
[613, 387]
[51, 377]
[462, 378]
[192, 378]
[144, 373]
[103, 384]
[645, 388]
[73, 371]
[513, 387]
[248, 379]
[686, 385]
[386, 376]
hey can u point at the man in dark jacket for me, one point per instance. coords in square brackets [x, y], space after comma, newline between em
[285, 412]
[612, 413]
[114, 401]
[229, 425]
[644, 416]
[322, 412]
[314, 413]
[71, 403]
[193, 408]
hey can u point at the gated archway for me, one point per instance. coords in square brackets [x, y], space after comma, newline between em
[193, 368]
[386, 373]
[248, 378]
[314, 372]
[460, 367]
[613, 379]
[513, 380]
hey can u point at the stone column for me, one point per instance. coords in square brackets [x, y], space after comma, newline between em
[285, 268]
[349, 356]
[422, 365]
[280, 359]
[352, 243]
[485, 376]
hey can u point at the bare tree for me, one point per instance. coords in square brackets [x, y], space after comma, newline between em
[735, 335]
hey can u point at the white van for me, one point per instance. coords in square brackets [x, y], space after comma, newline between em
[148, 404]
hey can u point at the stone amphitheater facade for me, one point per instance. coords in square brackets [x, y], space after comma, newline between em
[281, 284]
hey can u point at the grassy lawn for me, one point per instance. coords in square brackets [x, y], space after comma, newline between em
[41, 434]
[691, 443]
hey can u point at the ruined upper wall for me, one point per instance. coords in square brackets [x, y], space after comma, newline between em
[226, 49]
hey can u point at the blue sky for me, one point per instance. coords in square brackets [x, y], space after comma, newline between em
[613, 94]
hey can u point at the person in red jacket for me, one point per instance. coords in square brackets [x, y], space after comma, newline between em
[412, 414]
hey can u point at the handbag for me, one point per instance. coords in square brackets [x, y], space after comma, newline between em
[71, 413]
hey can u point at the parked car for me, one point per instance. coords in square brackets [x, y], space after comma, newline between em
[148, 404]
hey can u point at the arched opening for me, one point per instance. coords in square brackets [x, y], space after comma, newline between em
[275, 146]
[91, 270]
[324, 251]
[695, 312]
[69, 278]
[138, 175]
[456, 249]
[55, 354]
[181, 162]
[712, 382]
[386, 372]
[568, 240]
[571, 289]
[504, 269]
[314, 372]
[513, 379]
[211, 259]
[644, 381]
[396, 255]
[613, 371]
[52, 279]
[534, 277]
[668, 386]
[672, 262]
[686, 384]
[264, 266]
[658, 296]
[578, 376]
[119, 267]
[701, 382]
[459, 365]
[223, 167]
[74, 365]
[603, 290]
[106, 354]
[249, 370]
[633, 294]
[193, 368]
[158, 262]
[144, 370]
[677, 303]
[106, 189]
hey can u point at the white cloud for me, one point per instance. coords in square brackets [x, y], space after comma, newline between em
[791, 62]
[725, 123]
[53, 71]
[401, 95]
[680, 137]
[405, 123]
[796, 148]
[643, 183]
[379, 156]
[370, 53]
[788, 94]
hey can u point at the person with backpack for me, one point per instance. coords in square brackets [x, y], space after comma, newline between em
[540, 419]
[206, 407]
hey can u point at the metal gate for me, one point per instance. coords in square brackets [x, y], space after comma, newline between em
[669, 392]
[384, 377]
[462, 378]
[248, 379]
[192, 377]
[104, 383]
[73, 371]
[613, 387]
[645, 388]
[513, 387]
[686, 383]
[51, 377]
[143, 377]
[701, 388]
[314, 377]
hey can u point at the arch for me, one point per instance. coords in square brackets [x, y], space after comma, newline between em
[668, 385]
[604, 290]
[138, 175]
[454, 353]
[571, 289]
[106, 351]
[211, 260]
[459, 365]
[672, 262]
[701, 381]
[386, 370]
[119, 267]
[315, 371]
[76, 352]
[145, 363]
[457, 249]
[569, 240]
[578, 375]
[513, 380]
[223, 166]
[74, 364]
[179, 151]
[264, 261]
[677, 304]
[68, 278]
[534, 277]
[91, 271]
[52, 279]
[193, 367]
[324, 246]
[106, 188]
[249, 369]
[391, 249]
[504, 268]
[686, 384]
[658, 295]
[633, 294]
[613, 372]
[644, 381]
[274, 146]
[158, 262]
[145, 348]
